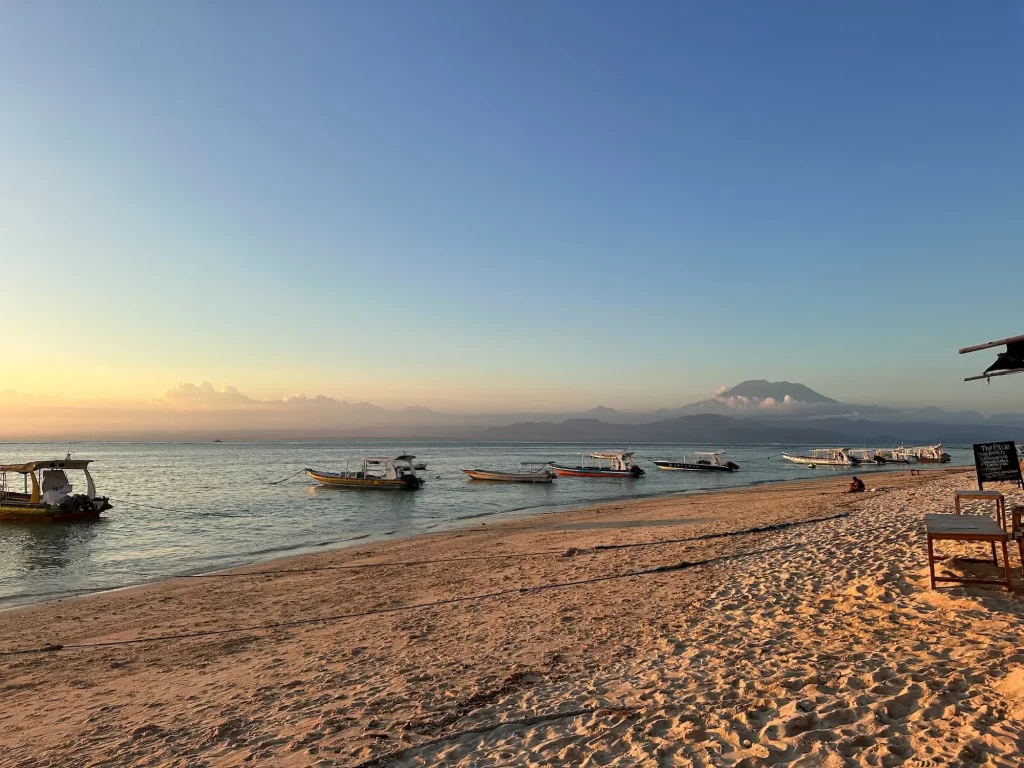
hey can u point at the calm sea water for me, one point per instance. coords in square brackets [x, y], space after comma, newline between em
[184, 508]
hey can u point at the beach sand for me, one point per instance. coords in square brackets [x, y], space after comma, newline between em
[818, 644]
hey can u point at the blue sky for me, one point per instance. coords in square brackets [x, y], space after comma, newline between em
[490, 205]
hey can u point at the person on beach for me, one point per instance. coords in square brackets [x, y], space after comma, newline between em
[856, 485]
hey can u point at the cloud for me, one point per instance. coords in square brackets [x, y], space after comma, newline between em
[739, 402]
[206, 395]
[720, 390]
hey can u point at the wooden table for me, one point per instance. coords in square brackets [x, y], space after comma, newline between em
[995, 496]
[967, 528]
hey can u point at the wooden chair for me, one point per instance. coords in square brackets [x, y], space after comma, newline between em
[1017, 532]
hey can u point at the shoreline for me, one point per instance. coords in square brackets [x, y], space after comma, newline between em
[457, 524]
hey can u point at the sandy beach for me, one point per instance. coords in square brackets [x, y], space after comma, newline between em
[698, 630]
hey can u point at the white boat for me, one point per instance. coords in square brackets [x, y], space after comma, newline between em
[702, 461]
[868, 456]
[893, 455]
[614, 464]
[825, 457]
[929, 454]
[531, 472]
[382, 473]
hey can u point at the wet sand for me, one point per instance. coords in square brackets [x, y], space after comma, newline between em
[691, 630]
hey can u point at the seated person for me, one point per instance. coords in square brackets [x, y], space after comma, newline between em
[856, 485]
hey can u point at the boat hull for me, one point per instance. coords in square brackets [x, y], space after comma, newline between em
[45, 513]
[332, 480]
[484, 475]
[685, 466]
[931, 460]
[811, 461]
[593, 472]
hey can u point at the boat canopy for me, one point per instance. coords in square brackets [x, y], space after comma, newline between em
[611, 455]
[385, 459]
[32, 466]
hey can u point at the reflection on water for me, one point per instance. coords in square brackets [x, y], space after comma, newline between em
[188, 508]
[43, 547]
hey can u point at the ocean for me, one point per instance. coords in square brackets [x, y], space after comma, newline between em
[188, 508]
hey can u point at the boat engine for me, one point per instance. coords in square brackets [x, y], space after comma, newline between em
[636, 471]
[80, 504]
[412, 482]
[732, 465]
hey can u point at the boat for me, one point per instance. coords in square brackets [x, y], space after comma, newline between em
[382, 473]
[532, 472]
[868, 456]
[619, 464]
[826, 457]
[50, 498]
[892, 455]
[930, 454]
[703, 461]
[419, 466]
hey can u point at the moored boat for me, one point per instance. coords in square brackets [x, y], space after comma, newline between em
[930, 454]
[50, 498]
[381, 473]
[893, 455]
[531, 472]
[619, 464]
[826, 457]
[868, 456]
[703, 461]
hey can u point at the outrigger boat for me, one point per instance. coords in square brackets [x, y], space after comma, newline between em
[826, 457]
[704, 461]
[930, 454]
[395, 474]
[868, 456]
[620, 464]
[50, 499]
[893, 455]
[532, 472]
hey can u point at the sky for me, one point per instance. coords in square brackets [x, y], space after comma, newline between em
[510, 205]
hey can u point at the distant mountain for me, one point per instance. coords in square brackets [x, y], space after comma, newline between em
[760, 389]
[724, 430]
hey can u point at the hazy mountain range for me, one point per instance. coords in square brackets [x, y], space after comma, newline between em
[765, 412]
[755, 411]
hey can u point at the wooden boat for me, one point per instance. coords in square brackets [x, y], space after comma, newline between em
[619, 464]
[50, 499]
[703, 461]
[532, 472]
[825, 457]
[381, 473]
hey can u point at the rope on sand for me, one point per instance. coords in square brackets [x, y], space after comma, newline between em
[661, 569]
[724, 534]
[514, 555]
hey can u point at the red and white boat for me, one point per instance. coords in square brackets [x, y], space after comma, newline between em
[614, 464]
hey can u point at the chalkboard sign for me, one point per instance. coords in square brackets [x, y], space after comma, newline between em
[996, 462]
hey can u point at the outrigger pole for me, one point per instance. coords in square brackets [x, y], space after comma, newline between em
[1009, 362]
